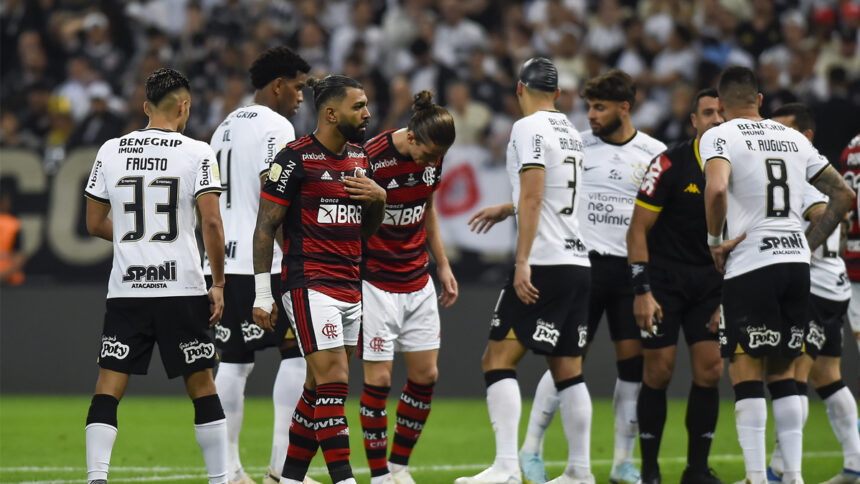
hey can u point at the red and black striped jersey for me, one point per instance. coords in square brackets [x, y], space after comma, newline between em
[395, 258]
[849, 166]
[322, 228]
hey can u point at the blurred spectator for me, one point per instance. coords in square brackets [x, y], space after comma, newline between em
[74, 89]
[483, 87]
[360, 28]
[676, 127]
[428, 74]
[455, 35]
[11, 135]
[471, 118]
[605, 35]
[762, 31]
[772, 84]
[12, 258]
[62, 124]
[98, 50]
[632, 58]
[677, 62]
[35, 117]
[101, 124]
[312, 47]
[837, 120]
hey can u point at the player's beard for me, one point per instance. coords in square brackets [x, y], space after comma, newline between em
[353, 134]
[609, 128]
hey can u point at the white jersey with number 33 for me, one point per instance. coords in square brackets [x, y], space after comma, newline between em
[245, 144]
[770, 164]
[547, 140]
[151, 178]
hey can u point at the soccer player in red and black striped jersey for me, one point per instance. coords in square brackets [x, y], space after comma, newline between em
[318, 190]
[398, 294]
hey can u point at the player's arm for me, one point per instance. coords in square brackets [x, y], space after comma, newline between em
[645, 307]
[279, 232]
[372, 196]
[269, 219]
[484, 219]
[528, 214]
[99, 223]
[717, 171]
[213, 241]
[830, 183]
[437, 250]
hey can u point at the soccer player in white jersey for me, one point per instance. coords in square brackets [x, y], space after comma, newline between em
[828, 305]
[245, 144]
[616, 157]
[755, 171]
[543, 306]
[153, 179]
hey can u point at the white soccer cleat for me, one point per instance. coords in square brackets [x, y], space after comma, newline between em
[246, 479]
[492, 476]
[847, 476]
[565, 479]
[271, 477]
[310, 480]
[402, 477]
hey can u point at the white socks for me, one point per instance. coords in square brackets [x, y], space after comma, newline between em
[100, 440]
[212, 438]
[626, 425]
[230, 383]
[788, 423]
[750, 421]
[842, 413]
[504, 405]
[545, 405]
[576, 420]
[285, 393]
[776, 458]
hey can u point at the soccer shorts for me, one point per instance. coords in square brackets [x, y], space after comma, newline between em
[180, 326]
[236, 335]
[824, 334]
[402, 322]
[611, 293]
[854, 312]
[320, 321]
[556, 324]
[764, 311]
[688, 295]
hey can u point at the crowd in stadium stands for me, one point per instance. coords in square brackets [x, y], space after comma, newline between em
[72, 73]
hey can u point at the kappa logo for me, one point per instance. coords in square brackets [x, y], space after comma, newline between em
[376, 344]
[545, 331]
[251, 331]
[392, 184]
[329, 330]
[325, 176]
[693, 188]
[429, 176]
[816, 336]
[763, 337]
[583, 335]
[339, 214]
[113, 348]
[222, 333]
[796, 340]
[196, 350]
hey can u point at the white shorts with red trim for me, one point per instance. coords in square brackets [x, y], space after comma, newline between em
[322, 322]
[402, 322]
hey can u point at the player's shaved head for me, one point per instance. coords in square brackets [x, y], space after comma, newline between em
[165, 87]
[331, 89]
[738, 87]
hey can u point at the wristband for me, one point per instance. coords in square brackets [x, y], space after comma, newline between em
[715, 241]
[263, 291]
[639, 276]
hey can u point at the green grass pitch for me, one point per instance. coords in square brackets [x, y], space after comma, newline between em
[42, 440]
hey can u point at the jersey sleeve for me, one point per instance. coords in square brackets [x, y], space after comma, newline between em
[815, 163]
[713, 145]
[96, 188]
[811, 198]
[276, 140]
[208, 177]
[657, 184]
[528, 145]
[285, 178]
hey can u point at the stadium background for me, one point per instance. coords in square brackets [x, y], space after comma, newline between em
[73, 71]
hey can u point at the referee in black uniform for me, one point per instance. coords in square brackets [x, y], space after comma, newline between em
[676, 287]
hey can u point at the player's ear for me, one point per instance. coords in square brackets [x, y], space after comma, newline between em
[759, 99]
[519, 89]
[557, 94]
[147, 109]
[410, 137]
[693, 119]
[331, 114]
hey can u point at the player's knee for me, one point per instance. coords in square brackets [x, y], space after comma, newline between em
[824, 372]
[200, 384]
[424, 376]
[708, 374]
[658, 372]
[377, 375]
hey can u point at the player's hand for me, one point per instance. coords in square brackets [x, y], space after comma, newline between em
[646, 310]
[363, 188]
[714, 322]
[484, 219]
[266, 320]
[450, 291]
[216, 304]
[527, 293]
[721, 253]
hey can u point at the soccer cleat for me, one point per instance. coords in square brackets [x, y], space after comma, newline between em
[98, 481]
[534, 470]
[773, 477]
[491, 476]
[847, 476]
[699, 477]
[246, 479]
[565, 479]
[402, 477]
[624, 473]
[310, 480]
[651, 480]
[747, 481]
[271, 477]
[387, 479]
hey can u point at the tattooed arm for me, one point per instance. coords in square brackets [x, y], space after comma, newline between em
[830, 183]
[270, 216]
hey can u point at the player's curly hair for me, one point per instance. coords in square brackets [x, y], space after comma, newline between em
[164, 81]
[431, 123]
[616, 85]
[331, 87]
[276, 62]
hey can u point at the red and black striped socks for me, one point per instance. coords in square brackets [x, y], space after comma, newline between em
[412, 412]
[332, 430]
[303, 440]
[374, 424]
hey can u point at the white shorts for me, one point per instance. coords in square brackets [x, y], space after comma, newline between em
[322, 322]
[854, 312]
[402, 322]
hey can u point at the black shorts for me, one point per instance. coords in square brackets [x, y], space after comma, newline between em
[236, 335]
[612, 293]
[824, 334]
[555, 324]
[688, 295]
[764, 311]
[180, 326]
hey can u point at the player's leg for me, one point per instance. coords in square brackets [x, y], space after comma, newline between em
[651, 407]
[745, 372]
[210, 426]
[101, 426]
[576, 414]
[286, 392]
[802, 367]
[628, 354]
[854, 312]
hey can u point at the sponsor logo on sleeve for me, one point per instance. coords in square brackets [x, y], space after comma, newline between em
[658, 166]
[720, 146]
[96, 168]
[284, 177]
[537, 148]
[275, 172]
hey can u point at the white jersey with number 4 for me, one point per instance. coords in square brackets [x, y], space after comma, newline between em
[611, 176]
[151, 179]
[547, 140]
[770, 164]
[245, 144]
[827, 277]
